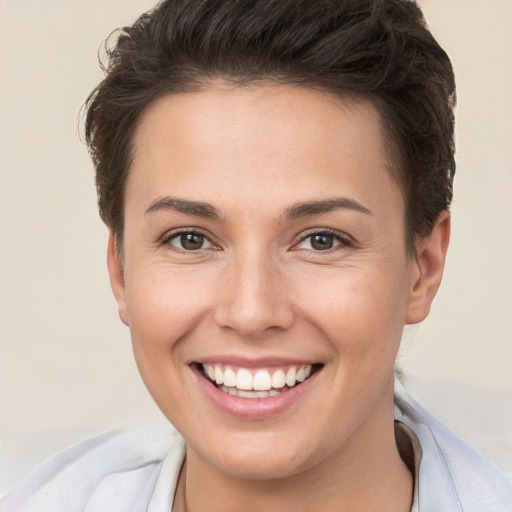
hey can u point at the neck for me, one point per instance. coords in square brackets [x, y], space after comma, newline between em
[367, 473]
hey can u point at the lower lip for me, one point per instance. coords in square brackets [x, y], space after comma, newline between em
[254, 408]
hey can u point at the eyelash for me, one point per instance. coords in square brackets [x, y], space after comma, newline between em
[344, 241]
[169, 237]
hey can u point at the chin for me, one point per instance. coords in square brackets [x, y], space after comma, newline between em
[253, 463]
[257, 456]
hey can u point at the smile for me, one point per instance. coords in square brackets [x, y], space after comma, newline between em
[254, 382]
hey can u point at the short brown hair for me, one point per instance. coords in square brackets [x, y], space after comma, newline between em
[377, 49]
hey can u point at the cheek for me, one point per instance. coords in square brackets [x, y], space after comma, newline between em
[164, 305]
[164, 308]
[361, 312]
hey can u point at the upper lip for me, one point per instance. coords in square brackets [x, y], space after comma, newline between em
[259, 362]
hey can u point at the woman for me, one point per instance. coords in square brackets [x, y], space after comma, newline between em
[276, 178]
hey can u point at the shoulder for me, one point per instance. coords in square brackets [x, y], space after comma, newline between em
[117, 469]
[452, 475]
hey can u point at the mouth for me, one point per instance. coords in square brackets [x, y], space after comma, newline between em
[256, 382]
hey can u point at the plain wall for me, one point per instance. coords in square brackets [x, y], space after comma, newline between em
[65, 358]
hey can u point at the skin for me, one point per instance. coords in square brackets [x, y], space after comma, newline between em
[259, 288]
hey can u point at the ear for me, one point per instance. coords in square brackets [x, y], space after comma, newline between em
[427, 269]
[116, 273]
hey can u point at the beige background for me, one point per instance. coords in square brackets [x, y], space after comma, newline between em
[65, 359]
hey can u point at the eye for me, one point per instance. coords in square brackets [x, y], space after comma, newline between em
[188, 241]
[323, 241]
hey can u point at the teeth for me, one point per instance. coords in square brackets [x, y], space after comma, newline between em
[303, 373]
[219, 375]
[243, 379]
[250, 394]
[278, 379]
[291, 376]
[246, 394]
[229, 377]
[262, 380]
[259, 383]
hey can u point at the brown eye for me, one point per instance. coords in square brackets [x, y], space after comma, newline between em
[189, 241]
[322, 241]
[192, 241]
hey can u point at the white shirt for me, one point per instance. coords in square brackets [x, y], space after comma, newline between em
[136, 471]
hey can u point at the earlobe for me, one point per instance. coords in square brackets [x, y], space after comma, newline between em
[428, 269]
[116, 273]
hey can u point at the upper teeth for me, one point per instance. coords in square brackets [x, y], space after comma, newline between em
[260, 379]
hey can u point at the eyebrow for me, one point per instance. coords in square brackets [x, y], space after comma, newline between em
[206, 210]
[325, 206]
[196, 208]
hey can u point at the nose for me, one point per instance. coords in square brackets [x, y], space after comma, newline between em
[254, 299]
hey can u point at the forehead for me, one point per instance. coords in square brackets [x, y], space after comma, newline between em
[262, 139]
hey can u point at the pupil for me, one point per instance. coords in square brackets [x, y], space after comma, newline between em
[322, 242]
[192, 241]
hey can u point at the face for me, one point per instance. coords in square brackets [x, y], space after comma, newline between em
[266, 280]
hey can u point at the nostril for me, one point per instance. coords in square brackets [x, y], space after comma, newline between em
[254, 321]
[253, 300]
